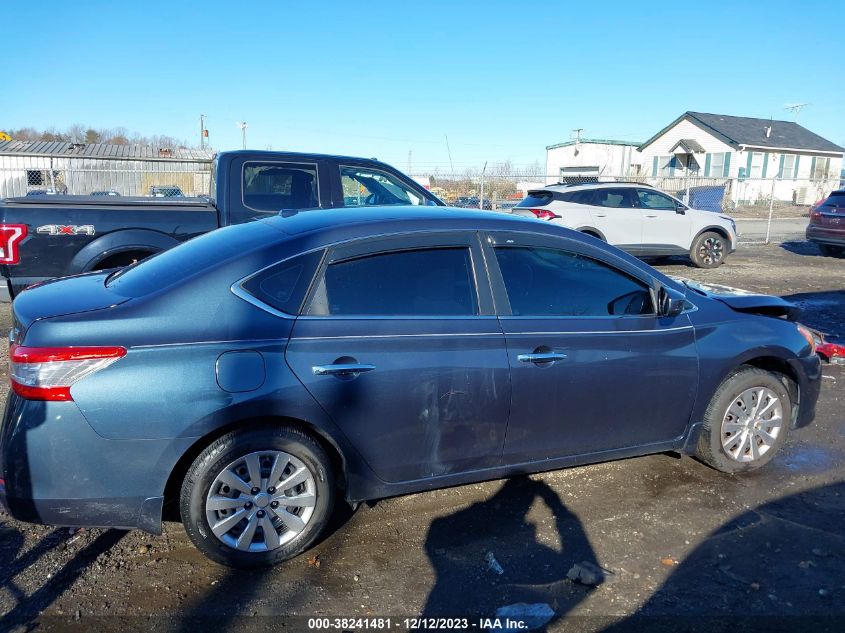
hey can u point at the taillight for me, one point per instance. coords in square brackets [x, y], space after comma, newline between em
[11, 236]
[47, 373]
[544, 214]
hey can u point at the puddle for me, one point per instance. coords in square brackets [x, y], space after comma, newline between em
[810, 459]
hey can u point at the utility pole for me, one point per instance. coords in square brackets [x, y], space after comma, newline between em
[481, 197]
[202, 131]
[451, 166]
[243, 126]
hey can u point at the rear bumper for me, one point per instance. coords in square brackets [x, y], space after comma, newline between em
[58, 471]
[826, 235]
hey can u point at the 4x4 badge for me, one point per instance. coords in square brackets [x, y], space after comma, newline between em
[69, 229]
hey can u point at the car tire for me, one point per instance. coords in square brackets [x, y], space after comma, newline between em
[240, 458]
[732, 436]
[829, 250]
[709, 250]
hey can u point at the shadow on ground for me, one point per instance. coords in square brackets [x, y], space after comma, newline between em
[460, 547]
[778, 567]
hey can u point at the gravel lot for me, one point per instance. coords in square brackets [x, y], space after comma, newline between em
[677, 539]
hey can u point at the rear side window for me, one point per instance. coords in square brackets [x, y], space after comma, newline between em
[425, 282]
[550, 282]
[581, 197]
[284, 285]
[614, 198]
[272, 187]
[536, 199]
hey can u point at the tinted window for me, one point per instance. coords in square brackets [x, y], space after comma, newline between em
[836, 199]
[284, 285]
[549, 282]
[536, 199]
[614, 198]
[654, 200]
[419, 282]
[275, 186]
[581, 197]
[364, 187]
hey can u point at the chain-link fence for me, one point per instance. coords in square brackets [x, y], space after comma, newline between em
[741, 197]
[31, 175]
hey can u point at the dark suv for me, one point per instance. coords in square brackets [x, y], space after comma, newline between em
[827, 224]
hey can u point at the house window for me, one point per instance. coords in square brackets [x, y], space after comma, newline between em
[756, 165]
[821, 166]
[666, 166]
[788, 167]
[717, 165]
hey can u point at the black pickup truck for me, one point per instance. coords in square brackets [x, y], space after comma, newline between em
[42, 237]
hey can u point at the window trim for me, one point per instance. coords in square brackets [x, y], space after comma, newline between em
[492, 239]
[277, 162]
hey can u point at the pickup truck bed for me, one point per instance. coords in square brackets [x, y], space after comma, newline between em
[74, 234]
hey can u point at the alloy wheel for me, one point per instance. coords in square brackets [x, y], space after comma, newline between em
[751, 424]
[711, 251]
[261, 501]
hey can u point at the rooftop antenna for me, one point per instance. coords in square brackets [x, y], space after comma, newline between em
[795, 108]
[243, 126]
[577, 132]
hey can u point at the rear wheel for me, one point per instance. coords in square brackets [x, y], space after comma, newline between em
[829, 250]
[709, 250]
[746, 421]
[256, 498]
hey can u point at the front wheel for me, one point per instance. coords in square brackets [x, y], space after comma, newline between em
[255, 498]
[746, 421]
[709, 250]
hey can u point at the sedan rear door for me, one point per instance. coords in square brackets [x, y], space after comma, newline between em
[400, 345]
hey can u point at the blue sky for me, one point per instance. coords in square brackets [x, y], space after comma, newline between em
[501, 79]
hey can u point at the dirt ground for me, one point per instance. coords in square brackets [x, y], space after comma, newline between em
[682, 546]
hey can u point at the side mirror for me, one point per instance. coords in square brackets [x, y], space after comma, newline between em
[671, 302]
[680, 208]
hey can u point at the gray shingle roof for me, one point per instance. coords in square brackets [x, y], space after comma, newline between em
[101, 150]
[748, 131]
[740, 130]
[689, 145]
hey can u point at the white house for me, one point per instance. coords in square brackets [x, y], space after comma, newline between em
[754, 158]
[591, 157]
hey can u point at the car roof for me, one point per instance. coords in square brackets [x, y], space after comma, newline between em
[414, 218]
[562, 186]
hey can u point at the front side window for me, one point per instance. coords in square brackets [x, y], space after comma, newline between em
[550, 282]
[273, 187]
[655, 200]
[614, 198]
[425, 282]
[363, 187]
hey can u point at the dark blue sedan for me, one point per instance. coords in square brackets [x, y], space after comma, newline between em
[250, 375]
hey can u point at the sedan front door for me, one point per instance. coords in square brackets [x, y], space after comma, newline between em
[400, 345]
[593, 367]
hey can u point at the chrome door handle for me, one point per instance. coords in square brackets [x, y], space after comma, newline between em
[544, 357]
[342, 369]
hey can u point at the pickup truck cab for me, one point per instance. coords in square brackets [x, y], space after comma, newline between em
[43, 237]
